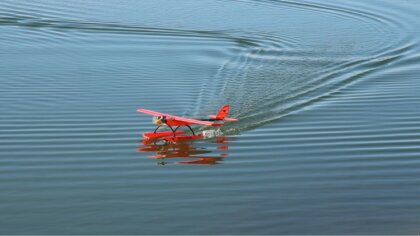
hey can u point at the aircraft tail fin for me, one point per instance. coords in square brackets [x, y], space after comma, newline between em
[222, 114]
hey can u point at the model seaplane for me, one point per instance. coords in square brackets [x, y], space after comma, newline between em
[175, 122]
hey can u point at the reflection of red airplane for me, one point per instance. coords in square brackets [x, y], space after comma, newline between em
[183, 150]
[161, 119]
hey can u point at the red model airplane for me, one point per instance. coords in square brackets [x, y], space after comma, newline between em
[162, 119]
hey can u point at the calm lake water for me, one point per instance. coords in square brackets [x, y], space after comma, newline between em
[327, 93]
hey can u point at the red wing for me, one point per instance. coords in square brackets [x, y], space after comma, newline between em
[153, 113]
[187, 120]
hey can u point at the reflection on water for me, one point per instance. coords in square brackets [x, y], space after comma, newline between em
[185, 152]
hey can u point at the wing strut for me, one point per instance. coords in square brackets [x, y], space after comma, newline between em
[173, 131]
[189, 127]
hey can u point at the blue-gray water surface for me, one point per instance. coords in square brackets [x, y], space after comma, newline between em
[327, 95]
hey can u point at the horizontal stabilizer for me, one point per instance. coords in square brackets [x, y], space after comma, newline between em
[226, 118]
